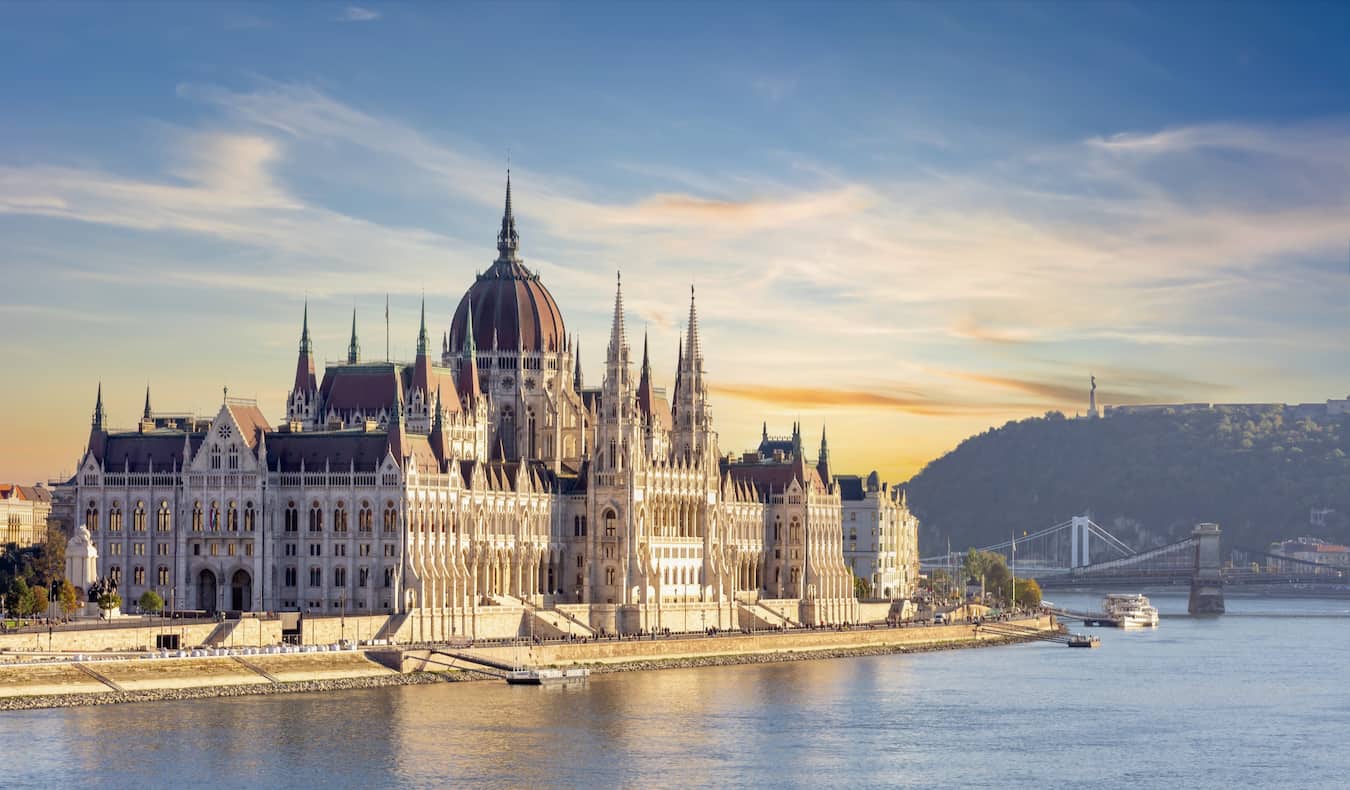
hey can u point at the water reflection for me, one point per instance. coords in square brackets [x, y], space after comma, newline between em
[1217, 702]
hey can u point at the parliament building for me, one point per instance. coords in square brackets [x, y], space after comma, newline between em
[480, 477]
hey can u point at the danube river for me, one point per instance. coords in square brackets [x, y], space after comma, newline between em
[1255, 698]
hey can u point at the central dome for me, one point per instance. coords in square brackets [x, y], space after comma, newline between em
[511, 308]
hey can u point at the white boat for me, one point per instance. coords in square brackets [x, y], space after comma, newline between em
[1131, 610]
[539, 677]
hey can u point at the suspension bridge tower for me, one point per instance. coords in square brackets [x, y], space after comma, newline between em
[1207, 579]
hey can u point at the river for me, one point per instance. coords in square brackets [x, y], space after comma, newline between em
[1256, 698]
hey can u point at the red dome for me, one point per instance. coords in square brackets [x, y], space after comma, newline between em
[510, 304]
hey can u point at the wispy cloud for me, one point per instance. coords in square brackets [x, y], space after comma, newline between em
[355, 13]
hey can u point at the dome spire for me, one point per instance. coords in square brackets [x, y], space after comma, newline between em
[508, 241]
[353, 348]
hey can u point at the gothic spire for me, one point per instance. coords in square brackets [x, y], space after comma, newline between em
[617, 340]
[353, 347]
[470, 348]
[576, 370]
[421, 333]
[146, 414]
[100, 418]
[695, 352]
[644, 391]
[508, 241]
[306, 347]
[306, 381]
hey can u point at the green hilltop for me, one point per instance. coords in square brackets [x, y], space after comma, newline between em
[1148, 478]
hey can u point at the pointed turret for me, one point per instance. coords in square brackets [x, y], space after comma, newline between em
[644, 391]
[100, 419]
[576, 370]
[146, 415]
[468, 384]
[306, 382]
[422, 365]
[98, 426]
[823, 462]
[508, 241]
[353, 347]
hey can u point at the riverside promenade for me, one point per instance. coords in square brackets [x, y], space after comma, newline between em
[38, 680]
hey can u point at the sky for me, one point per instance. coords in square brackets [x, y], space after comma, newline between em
[906, 223]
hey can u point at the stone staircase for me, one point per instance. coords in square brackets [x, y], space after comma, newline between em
[553, 623]
[756, 616]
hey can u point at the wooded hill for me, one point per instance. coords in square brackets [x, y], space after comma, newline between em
[1146, 478]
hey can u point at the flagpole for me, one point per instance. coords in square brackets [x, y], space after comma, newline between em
[386, 327]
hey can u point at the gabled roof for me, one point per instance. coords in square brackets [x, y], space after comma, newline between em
[850, 488]
[338, 449]
[368, 387]
[140, 452]
[250, 420]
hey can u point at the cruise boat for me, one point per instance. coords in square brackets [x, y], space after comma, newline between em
[1131, 610]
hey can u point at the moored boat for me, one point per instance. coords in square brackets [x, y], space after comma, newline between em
[539, 677]
[1131, 610]
[1083, 640]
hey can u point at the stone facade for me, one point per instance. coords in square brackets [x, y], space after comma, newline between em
[24, 511]
[447, 489]
[881, 536]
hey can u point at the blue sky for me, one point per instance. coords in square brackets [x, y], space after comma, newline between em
[909, 222]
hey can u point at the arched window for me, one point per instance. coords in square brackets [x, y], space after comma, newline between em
[340, 517]
[609, 576]
[232, 517]
[250, 517]
[581, 561]
[339, 576]
[138, 575]
[91, 517]
[576, 526]
[115, 518]
[164, 520]
[365, 521]
[234, 457]
[138, 518]
[611, 523]
[390, 517]
[613, 455]
[292, 518]
[215, 458]
[196, 516]
[315, 517]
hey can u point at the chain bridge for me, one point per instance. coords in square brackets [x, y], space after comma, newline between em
[1081, 553]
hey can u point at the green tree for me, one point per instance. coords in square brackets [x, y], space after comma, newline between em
[861, 589]
[150, 602]
[67, 598]
[18, 596]
[108, 601]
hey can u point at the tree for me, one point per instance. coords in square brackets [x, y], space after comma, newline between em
[1028, 593]
[52, 564]
[150, 602]
[67, 598]
[861, 589]
[18, 597]
[109, 601]
[37, 600]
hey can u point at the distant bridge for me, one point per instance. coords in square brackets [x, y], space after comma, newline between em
[1081, 553]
